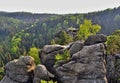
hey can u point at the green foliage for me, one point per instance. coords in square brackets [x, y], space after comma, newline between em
[52, 42]
[113, 43]
[64, 38]
[87, 29]
[62, 57]
[15, 42]
[119, 79]
[1, 73]
[34, 53]
[42, 81]
[117, 32]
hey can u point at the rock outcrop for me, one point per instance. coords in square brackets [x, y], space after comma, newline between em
[72, 31]
[23, 70]
[94, 39]
[19, 70]
[50, 50]
[88, 63]
[76, 46]
[86, 66]
[47, 56]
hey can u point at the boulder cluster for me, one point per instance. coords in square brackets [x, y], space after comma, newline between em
[88, 63]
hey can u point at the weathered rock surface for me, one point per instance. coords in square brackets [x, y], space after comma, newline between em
[77, 46]
[47, 55]
[94, 39]
[87, 63]
[41, 73]
[113, 68]
[50, 50]
[86, 66]
[19, 70]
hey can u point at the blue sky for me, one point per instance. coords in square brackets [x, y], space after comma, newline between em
[57, 6]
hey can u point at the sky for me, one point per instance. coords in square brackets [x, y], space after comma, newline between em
[57, 6]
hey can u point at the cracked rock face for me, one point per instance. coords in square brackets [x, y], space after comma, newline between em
[47, 56]
[86, 66]
[19, 70]
[87, 63]
[77, 46]
[50, 50]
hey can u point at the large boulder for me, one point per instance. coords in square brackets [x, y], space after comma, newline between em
[19, 70]
[86, 66]
[49, 49]
[48, 53]
[94, 39]
[76, 46]
[41, 73]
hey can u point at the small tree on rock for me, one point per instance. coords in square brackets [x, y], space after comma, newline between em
[87, 29]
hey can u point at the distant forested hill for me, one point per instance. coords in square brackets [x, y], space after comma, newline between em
[109, 19]
[21, 31]
[26, 16]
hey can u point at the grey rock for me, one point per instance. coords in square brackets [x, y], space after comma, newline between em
[47, 55]
[51, 48]
[41, 72]
[72, 31]
[113, 68]
[6, 79]
[94, 39]
[19, 70]
[86, 66]
[48, 50]
[104, 80]
[77, 46]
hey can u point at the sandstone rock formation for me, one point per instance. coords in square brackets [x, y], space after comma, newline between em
[72, 31]
[23, 70]
[19, 70]
[47, 55]
[76, 46]
[93, 39]
[88, 63]
[86, 66]
[50, 50]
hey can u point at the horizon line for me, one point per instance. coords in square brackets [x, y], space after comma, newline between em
[22, 11]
